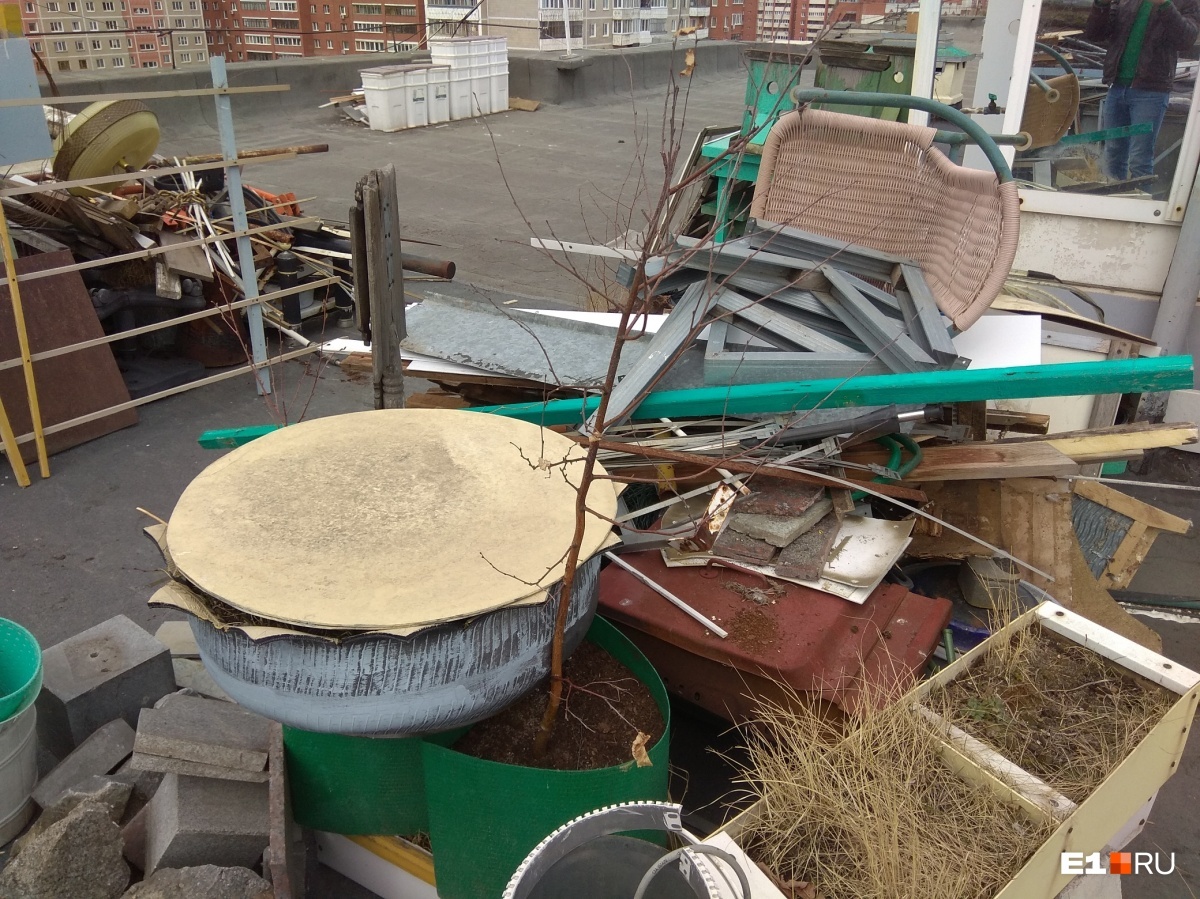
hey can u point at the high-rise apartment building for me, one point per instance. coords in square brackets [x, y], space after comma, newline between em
[244, 30]
[733, 20]
[88, 35]
[802, 20]
[595, 24]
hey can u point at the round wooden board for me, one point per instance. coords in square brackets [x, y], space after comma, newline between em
[386, 519]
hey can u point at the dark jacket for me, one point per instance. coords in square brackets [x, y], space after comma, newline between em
[1173, 27]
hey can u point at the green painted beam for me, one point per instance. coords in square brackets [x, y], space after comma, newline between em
[228, 438]
[1068, 379]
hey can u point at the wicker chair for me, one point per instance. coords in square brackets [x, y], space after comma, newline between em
[883, 185]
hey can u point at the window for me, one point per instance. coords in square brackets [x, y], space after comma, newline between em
[313, 9]
[737, 20]
[604, 30]
[281, 41]
[369, 46]
[286, 24]
[146, 46]
[93, 25]
[409, 11]
[198, 40]
[316, 43]
[184, 57]
[52, 7]
[179, 23]
[150, 64]
[329, 26]
[112, 24]
[550, 31]
[329, 45]
[258, 39]
[325, 9]
[95, 45]
[64, 65]
[56, 26]
[72, 6]
[114, 43]
[118, 62]
[712, 23]
[256, 23]
[164, 40]
[36, 45]
[75, 25]
[100, 63]
[60, 46]
[79, 46]
[368, 9]
[33, 27]
[83, 63]
[192, 4]
[376, 27]
[283, 5]
[345, 46]
[28, 7]
[591, 29]
[200, 57]
[342, 11]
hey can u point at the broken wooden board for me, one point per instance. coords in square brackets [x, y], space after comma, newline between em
[1116, 531]
[979, 461]
[59, 312]
[523, 105]
[189, 261]
[1031, 519]
[1116, 442]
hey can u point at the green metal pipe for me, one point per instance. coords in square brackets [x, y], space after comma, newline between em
[1051, 93]
[956, 117]
[1148, 375]
[1020, 140]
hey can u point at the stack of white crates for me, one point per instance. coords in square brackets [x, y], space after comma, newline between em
[478, 73]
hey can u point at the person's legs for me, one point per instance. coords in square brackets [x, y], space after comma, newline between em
[1115, 114]
[1145, 106]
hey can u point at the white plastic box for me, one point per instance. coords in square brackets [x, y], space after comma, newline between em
[438, 97]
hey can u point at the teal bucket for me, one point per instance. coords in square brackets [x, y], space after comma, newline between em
[20, 681]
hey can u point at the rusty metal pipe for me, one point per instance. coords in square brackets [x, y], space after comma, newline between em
[437, 268]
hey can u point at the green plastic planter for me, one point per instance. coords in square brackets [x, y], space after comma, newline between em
[358, 785]
[20, 669]
[485, 817]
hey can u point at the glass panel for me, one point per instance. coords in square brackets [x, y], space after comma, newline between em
[1107, 111]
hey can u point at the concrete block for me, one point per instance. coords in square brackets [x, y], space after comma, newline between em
[100, 753]
[778, 530]
[142, 761]
[108, 671]
[205, 730]
[191, 674]
[133, 840]
[199, 821]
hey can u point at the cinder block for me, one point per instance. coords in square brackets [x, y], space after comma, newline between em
[208, 731]
[109, 671]
[100, 753]
[199, 821]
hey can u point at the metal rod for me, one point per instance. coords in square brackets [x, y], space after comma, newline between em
[14, 294]
[301, 150]
[47, 186]
[667, 595]
[237, 204]
[146, 95]
[168, 323]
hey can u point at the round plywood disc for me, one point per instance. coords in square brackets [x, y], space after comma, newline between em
[108, 138]
[386, 519]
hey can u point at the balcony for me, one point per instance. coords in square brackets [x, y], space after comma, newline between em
[636, 39]
[449, 13]
[698, 11]
[549, 14]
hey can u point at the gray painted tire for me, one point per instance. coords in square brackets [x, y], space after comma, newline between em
[438, 679]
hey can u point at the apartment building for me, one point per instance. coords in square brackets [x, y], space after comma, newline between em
[246, 30]
[89, 35]
[733, 20]
[594, 24]
[802, 20]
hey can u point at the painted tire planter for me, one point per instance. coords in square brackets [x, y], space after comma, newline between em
[438, 679]
[485, 817]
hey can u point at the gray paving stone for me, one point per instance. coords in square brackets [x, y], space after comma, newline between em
[198, 821]
[78, 857]
[204, 730]
[804, 557]
[109, 671]
[778, 530]
[203, 882]
[100, 753]
[143, 761]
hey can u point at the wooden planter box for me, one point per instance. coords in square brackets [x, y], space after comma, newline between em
[1091, 825]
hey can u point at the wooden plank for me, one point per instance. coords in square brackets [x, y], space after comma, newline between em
[1068, 379]
[184, 257]
[1104, 408]
[1131, 508]
[1129, 556]
[385, 277]
[977, 461]
[59, 311]
[1104, 447]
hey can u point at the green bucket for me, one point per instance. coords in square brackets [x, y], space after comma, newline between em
[20, 669]
[485, 817]
[358, 785]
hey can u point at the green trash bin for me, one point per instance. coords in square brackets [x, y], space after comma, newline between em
[485, 817]
[20, 681]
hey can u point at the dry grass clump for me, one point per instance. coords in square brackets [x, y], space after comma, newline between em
[1061, 712]
[876, 814]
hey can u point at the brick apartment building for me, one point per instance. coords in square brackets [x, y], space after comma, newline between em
[91, 35]
[800, 20]
[733, 20]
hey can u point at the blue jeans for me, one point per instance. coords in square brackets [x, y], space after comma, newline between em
[1132, 157]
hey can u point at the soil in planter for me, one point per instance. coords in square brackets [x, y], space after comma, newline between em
[603, 710]
[1058, 710]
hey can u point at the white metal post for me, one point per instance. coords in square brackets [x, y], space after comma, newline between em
[237, 204]
[929, 20]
